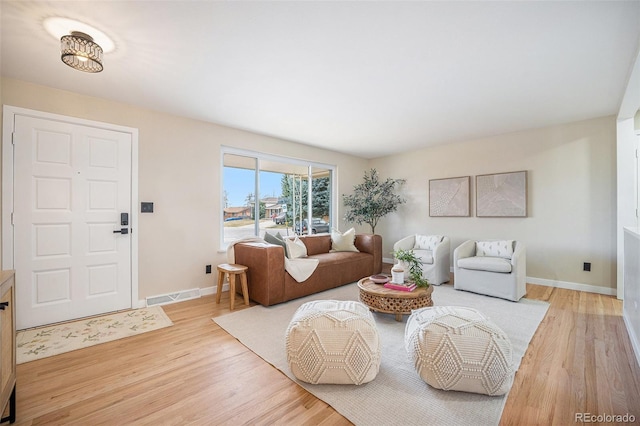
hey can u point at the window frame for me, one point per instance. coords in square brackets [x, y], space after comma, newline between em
[259, 157]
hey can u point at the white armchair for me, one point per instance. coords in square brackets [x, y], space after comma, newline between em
[434, 254]
[492, 268]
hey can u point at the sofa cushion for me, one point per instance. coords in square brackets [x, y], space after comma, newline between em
[485, 263]
[427, 242]
[275, 239]
[317, 244]
[495, 248]
[424, 256]
[295, 248]
[343, 241]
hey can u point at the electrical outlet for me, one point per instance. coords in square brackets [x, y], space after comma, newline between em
[208, 269]
[586, 266]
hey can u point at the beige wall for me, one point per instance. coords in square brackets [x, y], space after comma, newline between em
[571, 197]
[571, 188]
[179, 171]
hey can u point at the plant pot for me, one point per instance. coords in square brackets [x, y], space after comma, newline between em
[397, 275]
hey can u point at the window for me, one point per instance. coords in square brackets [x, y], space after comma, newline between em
[264, 193]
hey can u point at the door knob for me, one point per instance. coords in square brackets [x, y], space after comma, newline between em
[122, 231]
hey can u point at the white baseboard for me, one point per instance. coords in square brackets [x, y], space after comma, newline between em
[205, 291]
[567, 285]
[633, 337]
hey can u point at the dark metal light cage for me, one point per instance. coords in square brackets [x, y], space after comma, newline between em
[79, 51]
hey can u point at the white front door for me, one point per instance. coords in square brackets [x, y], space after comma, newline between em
[72, 250]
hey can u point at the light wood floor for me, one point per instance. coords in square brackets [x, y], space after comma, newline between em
[580, 360]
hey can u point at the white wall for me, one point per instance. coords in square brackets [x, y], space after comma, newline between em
[627, 143]
[628, 140]
[631, 308]
[571, 198]
[179, 171]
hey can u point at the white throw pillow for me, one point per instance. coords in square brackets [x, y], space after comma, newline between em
[495, 248]
[296, 248]
[427, 242]
[343, 241]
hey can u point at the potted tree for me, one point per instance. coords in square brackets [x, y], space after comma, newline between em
[372, 200]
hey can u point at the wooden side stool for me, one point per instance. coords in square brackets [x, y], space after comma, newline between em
[233, 270]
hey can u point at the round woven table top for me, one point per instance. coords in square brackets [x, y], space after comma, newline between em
[369, 286]
[386, 300]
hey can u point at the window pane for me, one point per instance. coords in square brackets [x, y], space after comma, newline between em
[298, 200]
[239, 177]
[321, 199]
[277, 180]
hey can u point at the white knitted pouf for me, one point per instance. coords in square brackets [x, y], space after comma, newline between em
[331, 341]
[456, 348]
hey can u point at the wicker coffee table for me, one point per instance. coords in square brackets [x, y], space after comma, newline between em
[381, 299]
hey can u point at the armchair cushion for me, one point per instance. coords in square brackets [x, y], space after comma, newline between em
[427, 242]
[485, 263]
[424, 256]
[502, 249]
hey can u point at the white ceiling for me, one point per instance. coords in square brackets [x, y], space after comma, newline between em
[364, 78]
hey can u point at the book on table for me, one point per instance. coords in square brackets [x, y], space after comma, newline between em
[401, 287]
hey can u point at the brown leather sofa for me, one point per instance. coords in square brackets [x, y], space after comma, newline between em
[269, 283]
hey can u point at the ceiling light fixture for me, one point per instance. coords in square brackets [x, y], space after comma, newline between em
[80, 52]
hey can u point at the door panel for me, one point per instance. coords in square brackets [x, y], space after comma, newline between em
[71, 182]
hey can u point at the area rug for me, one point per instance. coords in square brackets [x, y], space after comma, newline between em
[397, 396]
[52, 340]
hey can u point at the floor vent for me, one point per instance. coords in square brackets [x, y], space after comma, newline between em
[165, 299]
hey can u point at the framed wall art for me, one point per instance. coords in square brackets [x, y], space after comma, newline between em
[449, 197]
[501, 195]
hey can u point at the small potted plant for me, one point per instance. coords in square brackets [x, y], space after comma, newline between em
[408, 257]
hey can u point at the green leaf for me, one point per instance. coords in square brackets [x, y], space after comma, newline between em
[372, 200]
